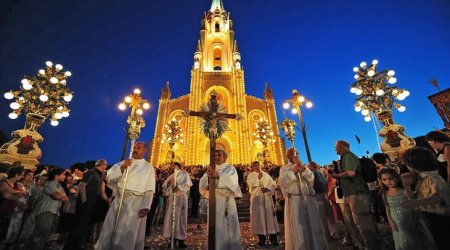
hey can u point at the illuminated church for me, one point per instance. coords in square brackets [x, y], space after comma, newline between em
[216, 67]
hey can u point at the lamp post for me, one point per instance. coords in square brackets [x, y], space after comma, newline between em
[263, 135]
[172, 134]
[377, 95]
[135, 121]
[298, 101]
[44, 95]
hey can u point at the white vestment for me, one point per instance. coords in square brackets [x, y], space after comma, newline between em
[183, 184]
[302, 226]
[139, 189]
[262, 216]
[228, 235]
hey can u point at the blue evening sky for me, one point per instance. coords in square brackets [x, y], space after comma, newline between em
[112, 47]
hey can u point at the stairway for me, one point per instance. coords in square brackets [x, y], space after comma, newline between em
[243, 208]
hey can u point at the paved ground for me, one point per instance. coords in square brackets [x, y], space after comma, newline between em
[196, 238]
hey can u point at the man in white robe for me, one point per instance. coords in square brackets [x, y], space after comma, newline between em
[228, 236]
[179, 184]
[303, 229]
[137, 199]
[262, 214]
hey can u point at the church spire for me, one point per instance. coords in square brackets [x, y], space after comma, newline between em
[216, 4]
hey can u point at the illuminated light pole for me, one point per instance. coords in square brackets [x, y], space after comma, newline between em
[44, 95]
[297, 102]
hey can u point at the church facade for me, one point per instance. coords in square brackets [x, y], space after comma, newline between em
[216, 67]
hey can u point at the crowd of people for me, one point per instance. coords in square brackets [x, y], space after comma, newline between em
[80, 207]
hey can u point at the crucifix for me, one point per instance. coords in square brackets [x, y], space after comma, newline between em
[214, 124]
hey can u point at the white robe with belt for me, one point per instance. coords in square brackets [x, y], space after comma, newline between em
[138, 195]
[183, 184]
[303, 229]
[228, 236]
[261, 204]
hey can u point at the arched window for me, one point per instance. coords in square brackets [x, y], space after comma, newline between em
[217, 58]
[217, 27]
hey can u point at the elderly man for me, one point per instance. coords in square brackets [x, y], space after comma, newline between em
[303, 228]
[357, 211]
[228, 235]
[176, 187]
[137, 199]
[262, 217]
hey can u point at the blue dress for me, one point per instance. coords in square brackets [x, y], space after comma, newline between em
[412, 233]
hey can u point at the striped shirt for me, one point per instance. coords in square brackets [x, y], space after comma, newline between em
[47, 203]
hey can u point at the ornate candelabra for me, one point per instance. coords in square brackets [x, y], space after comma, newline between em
[377, 95]
[298, 101]
[172, 134]
[135, 121]
[264, 135]
[44, 95]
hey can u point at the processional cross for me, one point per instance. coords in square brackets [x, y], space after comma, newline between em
[214, 124]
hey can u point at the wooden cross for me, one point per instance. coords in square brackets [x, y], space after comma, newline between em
[211, 118]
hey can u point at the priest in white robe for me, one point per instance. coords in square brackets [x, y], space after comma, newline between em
[176, 188]
[228, 236]
[137, 199]
[262, 213]
[302, 225]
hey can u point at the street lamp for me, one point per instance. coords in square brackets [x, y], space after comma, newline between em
[172, 134]
[263, 135]
[44, 95]
[298, 101]
[135, 121]
[377, 95]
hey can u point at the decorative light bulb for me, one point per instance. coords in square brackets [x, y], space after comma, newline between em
[355, 69]
[401, 97]
[358, 91]
[43, 98]
[352, 90]
[294, 111]
[286, 105]
[301, 98]
[9, 95]
[12, 115]
[365, 112]
[122, 106]
[65, 114]
[402, 109]
[25, 81]
[392, 80]
[27, 86]
[309, 104]
[371, 72]
[367, 118]
[391, 73]
[358, 108]
[146, 105]
[48, 63]
[363, 64]
[68, 73]
[54, 80]
[395, 91]
[60, 108]
[379, 92]
[128, 99]
[14, 105]
[54, 123]
[375, 62]
[42, 72]
[58, 115]
[137, 91]
[356, 76]
[58, 67]
[67, 98]
[139, 111]
[406, 93]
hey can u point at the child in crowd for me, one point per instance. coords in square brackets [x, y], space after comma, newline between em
[407, 228]
[432, 193]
